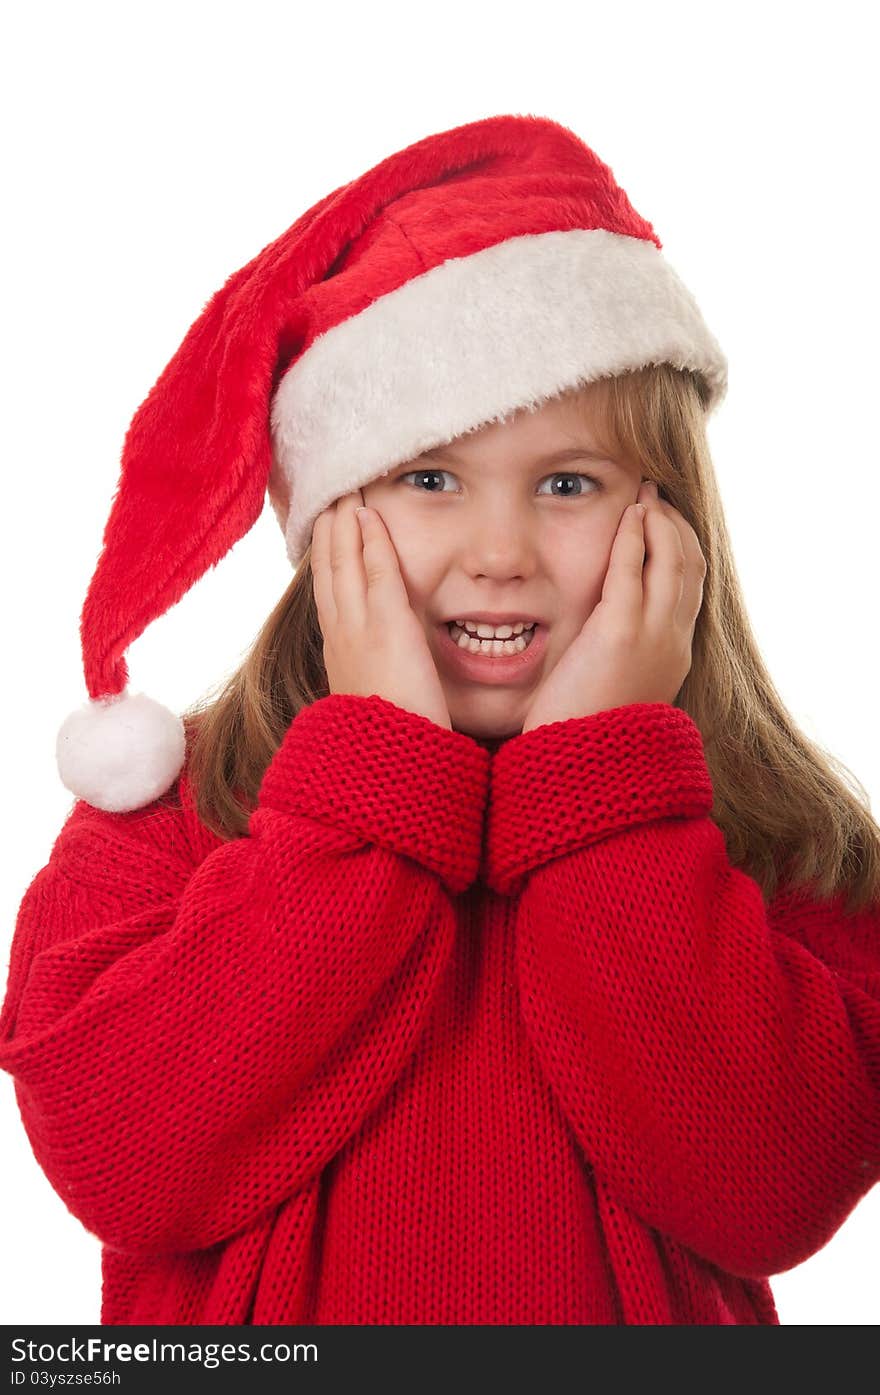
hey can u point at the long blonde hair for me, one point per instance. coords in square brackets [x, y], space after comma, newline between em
[783, 803]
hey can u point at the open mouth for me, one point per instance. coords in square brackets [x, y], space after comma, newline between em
[491, 648]
[510, 662]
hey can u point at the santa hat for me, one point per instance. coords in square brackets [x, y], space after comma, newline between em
[474, 273]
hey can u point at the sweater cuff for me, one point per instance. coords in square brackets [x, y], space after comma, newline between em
[388, 775]
[568, 784]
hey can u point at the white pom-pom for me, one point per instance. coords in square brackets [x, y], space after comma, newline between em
[120, 753]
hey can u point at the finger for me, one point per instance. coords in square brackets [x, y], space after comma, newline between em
[386, 589]
[347, 563]
[622, 588]
[665, 575]
[691, 598]
[689, 540]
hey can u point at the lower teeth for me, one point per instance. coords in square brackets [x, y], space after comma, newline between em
[496, 648]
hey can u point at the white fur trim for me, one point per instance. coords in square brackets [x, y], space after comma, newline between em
[120, 753]
[470, 342]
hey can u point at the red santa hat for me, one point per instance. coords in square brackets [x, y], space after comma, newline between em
[474, 273]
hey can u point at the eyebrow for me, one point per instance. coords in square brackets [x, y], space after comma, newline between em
[555, 457]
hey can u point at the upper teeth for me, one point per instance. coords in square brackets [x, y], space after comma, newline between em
[484, 631]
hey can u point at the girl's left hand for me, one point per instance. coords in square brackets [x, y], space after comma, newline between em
[636, 644]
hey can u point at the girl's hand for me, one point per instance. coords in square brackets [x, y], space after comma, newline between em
[636, 645]
[373, 641]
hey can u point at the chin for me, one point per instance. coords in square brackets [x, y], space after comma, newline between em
[485, 729]
[483, 732]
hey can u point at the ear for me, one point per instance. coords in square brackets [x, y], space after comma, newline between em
[279, 497]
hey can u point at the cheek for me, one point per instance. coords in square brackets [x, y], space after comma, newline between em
[415, 553]
[579, 568]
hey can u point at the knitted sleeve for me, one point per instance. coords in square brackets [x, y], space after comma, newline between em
[191, 1043]
[718, 1059]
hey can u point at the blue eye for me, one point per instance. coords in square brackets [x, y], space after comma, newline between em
[423, 474]
[566, 475]
[569, 476]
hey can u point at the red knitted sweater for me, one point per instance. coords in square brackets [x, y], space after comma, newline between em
[455, 1035]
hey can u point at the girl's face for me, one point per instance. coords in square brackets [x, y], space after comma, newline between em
[493, 522]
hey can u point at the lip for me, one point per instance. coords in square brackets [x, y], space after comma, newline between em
[509, 669]
[496, 617]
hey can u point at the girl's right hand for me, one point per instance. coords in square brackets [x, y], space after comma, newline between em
[373, 641]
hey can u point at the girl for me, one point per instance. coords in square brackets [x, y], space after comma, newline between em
[493, 948]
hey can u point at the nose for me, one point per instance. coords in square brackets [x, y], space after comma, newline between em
[500, 541]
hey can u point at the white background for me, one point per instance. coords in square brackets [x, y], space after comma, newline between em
[150, 150]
